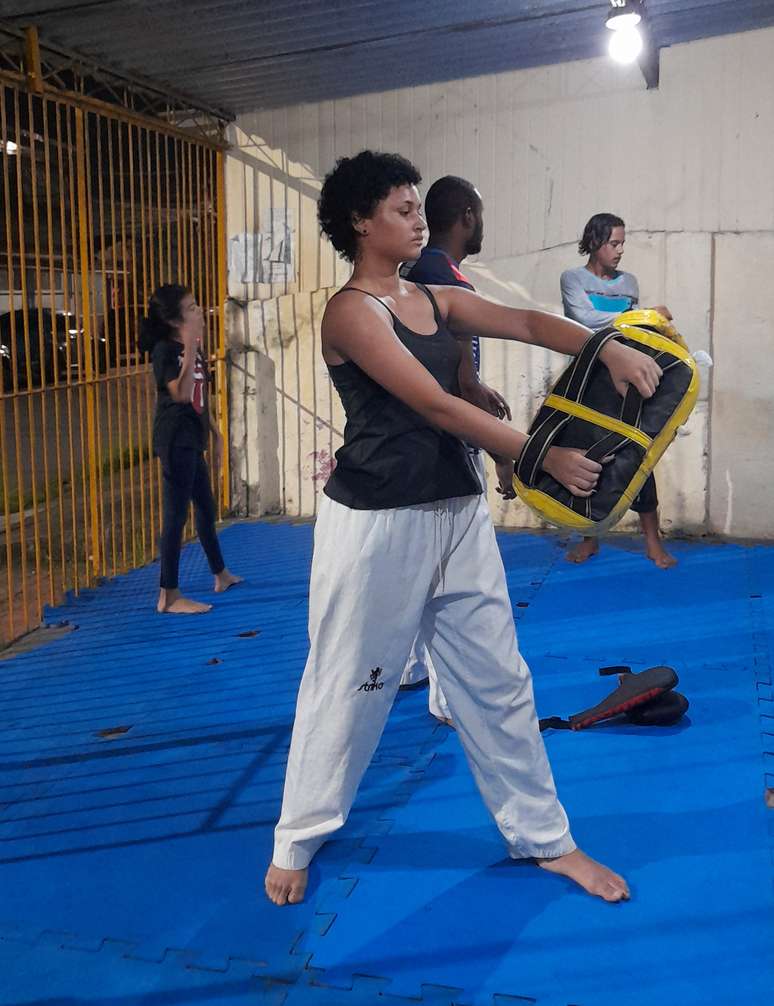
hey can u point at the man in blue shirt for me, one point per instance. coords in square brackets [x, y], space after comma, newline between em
[455, 216]
[594, 295]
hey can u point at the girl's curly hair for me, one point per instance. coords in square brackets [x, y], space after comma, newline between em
[355, 186]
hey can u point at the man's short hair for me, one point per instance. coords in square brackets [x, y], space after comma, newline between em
[446, 202]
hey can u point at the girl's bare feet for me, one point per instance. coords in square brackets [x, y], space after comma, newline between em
[588, 874]
[172, 602]
[654, 548]
[659, 555]
[583, 551]
[224, 580]
[285, 887]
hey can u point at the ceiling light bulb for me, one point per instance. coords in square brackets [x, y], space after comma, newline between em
[625, 45]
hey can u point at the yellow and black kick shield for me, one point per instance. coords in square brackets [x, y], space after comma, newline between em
[585, 411]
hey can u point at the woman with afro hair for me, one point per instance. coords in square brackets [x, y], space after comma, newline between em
[402, 546]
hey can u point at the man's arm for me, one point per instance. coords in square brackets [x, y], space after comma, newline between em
[478, 394]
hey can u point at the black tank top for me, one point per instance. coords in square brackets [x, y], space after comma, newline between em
[391, 456]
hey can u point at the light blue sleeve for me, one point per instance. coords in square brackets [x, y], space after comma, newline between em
[578, 306]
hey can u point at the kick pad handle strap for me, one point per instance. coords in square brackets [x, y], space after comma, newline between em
[586, 359]
[536, 447]
[631, 412]
[632, 405]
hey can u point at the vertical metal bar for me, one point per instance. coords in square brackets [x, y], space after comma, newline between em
[189, 281]
[116, 334]
[63, 181]
[42, 549]
[97, 385]
[148, 191]
[163, 277]
[28, 371]
[72, 171]
[197, 222]
[170, 274]
[221, 294]
[52, 283]
[156, 228]
[181, 257]
[204, 229]
[212, 165]
[130, 312]
[163, 267]
[189, 220]
[156, 274]
[146, 239]
[205, 250]
[32, 60]
[135, 370]
[88, 345]
[107, 386]
[8, 530]
[12, 349]
[208, 300]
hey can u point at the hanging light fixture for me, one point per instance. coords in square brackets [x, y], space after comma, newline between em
[624, 14]
[623, 19]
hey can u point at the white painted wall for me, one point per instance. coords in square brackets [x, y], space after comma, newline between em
[689, 168]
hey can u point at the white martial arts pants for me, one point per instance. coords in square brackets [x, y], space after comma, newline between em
[420, 665]
[420, 668]
[379, 579]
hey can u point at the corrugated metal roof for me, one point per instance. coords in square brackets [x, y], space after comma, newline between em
[239, 55]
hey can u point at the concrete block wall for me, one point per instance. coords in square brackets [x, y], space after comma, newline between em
[688, 166]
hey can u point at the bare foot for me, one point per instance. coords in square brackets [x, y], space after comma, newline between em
[659, 555]
[285, 887]
[224, 580]
[172, 602]
[443, 719]
[583, 551]
[590, 875]
[654, 549]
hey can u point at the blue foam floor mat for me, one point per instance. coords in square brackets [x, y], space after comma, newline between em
[131, 867]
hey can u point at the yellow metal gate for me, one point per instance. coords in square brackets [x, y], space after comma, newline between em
[98, 206]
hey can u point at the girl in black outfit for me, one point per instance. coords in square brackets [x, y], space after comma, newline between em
[172, 335]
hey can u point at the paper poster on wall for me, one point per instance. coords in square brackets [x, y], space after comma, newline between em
[268, 256]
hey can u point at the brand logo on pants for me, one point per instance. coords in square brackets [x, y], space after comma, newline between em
[374, 685]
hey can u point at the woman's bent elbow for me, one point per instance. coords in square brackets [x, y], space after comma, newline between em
[438, 414]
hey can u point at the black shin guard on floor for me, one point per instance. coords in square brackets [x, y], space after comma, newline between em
[646, 698]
